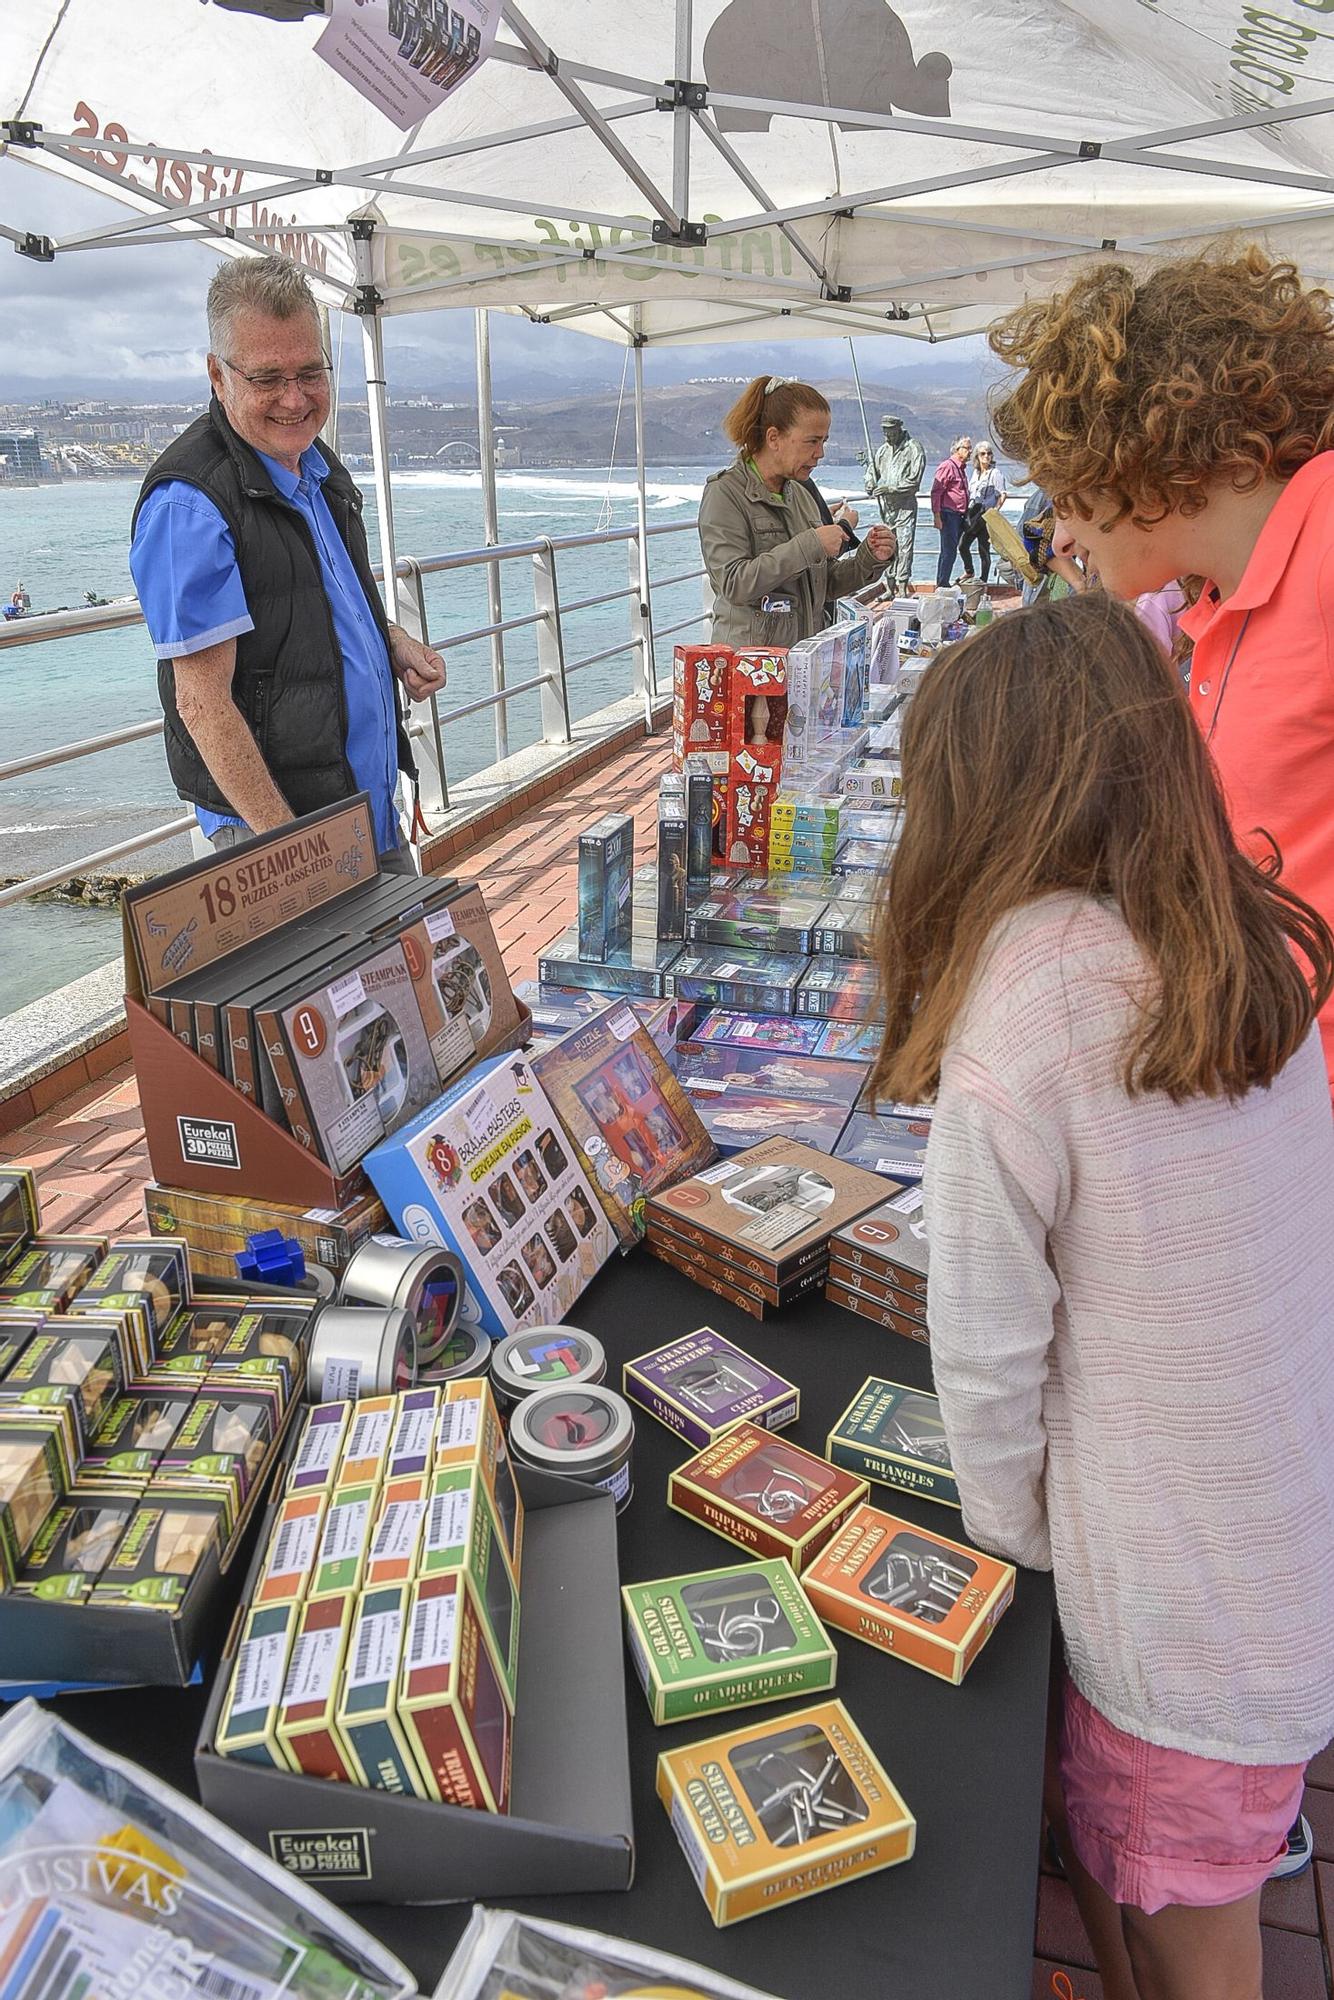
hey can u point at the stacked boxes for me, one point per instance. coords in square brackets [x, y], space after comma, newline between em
[700, 677]
[382, 1642]
[878, 1265]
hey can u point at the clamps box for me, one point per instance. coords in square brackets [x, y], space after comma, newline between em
[781, 1810]
[930, 1601]
[895, 1436]
[725, 1638]
[700, 1385]
[769, 1496]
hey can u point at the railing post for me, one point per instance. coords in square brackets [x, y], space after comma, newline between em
[554, 695]
[486, 446]
[427, 737]
[646, 677]
[645, 683]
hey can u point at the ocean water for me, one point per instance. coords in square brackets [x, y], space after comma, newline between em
[68, 539]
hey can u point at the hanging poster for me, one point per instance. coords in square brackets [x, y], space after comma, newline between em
[408, 56]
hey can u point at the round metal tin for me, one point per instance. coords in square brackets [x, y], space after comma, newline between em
[544, 1357]
[360, 1351]
[424, 1281]
[583, 1432]
[466, 1352]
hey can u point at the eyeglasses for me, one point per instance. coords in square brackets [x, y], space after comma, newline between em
[269, 380]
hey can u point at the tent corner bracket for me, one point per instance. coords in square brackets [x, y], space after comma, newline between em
[1090, 149]
[689, 236]
[324, 176]
[839, 295]
[684, 96]
[363, 228]
[367, 302]
[40, 248]
[20, 131]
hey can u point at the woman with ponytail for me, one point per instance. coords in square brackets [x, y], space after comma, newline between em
[773, 564]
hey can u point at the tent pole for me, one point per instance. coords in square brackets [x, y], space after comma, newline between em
[681, 117]
[647, 675]
[377, 405]
[486, 448]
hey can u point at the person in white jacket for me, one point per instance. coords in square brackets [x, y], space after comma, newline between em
[1129, 1198]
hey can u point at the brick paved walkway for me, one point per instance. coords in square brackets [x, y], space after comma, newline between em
[92, 1163]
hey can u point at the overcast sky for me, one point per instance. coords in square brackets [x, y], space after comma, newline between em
[131, 323]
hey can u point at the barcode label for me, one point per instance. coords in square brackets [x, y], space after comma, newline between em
[431, 1641]
[907, 1202]
[294, 1545]
[318, 1447]
[712, 1175]
[412, 1439]
[259, 1672]
[478, 1112]
[369, 1436]
[396, 1535]
[346, 993]
[623, 1024]
[439, 924]
[341, 1380]
[447, 1521]
[375, 1651]
[459, 1424]
[310, 1677]
[345, 1531]
[213, 1984]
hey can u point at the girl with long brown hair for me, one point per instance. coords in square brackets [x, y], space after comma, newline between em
[1130, 1202]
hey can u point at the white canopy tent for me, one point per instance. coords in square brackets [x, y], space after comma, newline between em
[674, 171]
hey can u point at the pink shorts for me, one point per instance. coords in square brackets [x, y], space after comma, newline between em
[1155, 1826]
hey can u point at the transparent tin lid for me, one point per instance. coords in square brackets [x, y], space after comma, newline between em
[584, 1429]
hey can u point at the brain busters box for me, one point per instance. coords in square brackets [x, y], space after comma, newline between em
[895, 1436]
[488, 1172]
[771, 1209]
[350, 1057]
[700, 1385]
[782, 1809]
[699, 706]
[764, 1493]
[451, 1700]
[930, 1601]
[725, 1638]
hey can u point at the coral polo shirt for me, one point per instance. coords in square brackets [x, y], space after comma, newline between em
[1262, 688]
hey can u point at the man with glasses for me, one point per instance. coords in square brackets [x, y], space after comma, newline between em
[278, 671]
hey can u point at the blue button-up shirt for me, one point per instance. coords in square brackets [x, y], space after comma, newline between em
[183, 561]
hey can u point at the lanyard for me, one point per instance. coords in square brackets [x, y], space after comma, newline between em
[1222, 685]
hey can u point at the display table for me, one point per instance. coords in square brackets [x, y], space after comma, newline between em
[957, 1920]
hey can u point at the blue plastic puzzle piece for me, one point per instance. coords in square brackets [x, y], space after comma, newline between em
[270, 1258]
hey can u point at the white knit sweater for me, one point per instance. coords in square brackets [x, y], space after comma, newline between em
[1132, 1330]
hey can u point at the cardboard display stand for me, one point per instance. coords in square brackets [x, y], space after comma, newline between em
[569, 1825]
[203, 1134]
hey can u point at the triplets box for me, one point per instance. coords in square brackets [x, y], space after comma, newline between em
[767, 1495]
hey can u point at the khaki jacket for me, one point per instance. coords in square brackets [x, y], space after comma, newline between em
[756, 546]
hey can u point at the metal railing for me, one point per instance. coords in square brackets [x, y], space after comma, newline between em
[430, 722]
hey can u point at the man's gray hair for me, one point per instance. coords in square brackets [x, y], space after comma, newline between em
[962, 443]
[272, 285]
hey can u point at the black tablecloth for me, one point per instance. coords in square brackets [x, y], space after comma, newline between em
[957, 1920]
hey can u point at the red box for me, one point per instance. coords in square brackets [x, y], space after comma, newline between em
[700, 678]
[756, 712]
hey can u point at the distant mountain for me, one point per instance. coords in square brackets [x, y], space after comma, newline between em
[682, 421]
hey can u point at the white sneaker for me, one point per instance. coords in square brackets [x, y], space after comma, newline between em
[1296, 1856]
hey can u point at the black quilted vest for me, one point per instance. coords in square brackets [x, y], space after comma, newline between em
[289, 671]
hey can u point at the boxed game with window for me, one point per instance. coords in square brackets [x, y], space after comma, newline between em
[771, 1209]
[700, 1385]
[725, 1638]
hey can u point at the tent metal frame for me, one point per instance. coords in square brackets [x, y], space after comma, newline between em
[816, 300]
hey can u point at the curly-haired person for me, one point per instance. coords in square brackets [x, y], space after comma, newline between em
[1183, 423]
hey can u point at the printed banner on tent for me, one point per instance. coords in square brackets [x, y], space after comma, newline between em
[407, 56]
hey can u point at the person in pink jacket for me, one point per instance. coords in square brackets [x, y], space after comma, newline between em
[949, 505]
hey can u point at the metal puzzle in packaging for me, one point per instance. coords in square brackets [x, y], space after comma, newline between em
[782, 1809]
[895, 1436]
[700, 1385]
[725, 1638]
[765, 1493]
